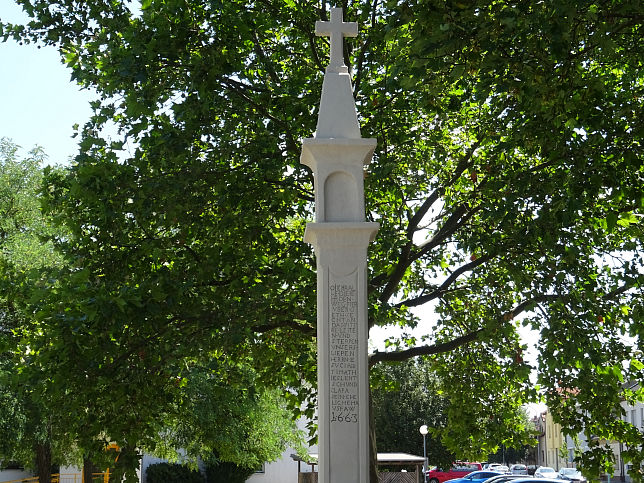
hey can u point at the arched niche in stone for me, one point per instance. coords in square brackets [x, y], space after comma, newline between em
[340, 198]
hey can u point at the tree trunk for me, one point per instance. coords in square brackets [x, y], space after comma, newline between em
[373, 450]
[43, 462]
[88, 470]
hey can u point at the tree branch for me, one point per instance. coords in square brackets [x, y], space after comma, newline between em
[291, 324]
[406, 258]
[426, 350]
[442, 347]
[456, 220]
[440, 290]
[462, 165]
[363, 50]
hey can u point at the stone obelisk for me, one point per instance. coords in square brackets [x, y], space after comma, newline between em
[337, 155]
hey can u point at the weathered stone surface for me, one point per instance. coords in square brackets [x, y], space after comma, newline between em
[337, 155]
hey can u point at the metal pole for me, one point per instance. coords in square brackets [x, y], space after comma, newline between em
[425, 458]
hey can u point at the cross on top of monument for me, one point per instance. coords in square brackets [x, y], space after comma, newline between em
[337, 29]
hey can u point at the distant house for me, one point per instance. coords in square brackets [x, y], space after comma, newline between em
[551, 443]
[540, 425]
[633, 414]
[554, 441]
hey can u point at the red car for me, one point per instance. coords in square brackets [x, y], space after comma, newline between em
[458, 470]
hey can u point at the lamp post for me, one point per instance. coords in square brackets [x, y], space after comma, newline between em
[423, 431]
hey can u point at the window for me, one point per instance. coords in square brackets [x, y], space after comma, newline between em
[633, 417]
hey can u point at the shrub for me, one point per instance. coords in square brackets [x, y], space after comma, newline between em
[223, 472]
[172, 473]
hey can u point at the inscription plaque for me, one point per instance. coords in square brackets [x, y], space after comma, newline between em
[343, 351]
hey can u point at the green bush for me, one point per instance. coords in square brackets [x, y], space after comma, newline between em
[223, 472]
[172, 473]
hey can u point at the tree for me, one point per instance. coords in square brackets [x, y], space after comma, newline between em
[218, 406]
[408, 394]
[517, 453]
[507, 180]
[25, 259]
[405, 396]
[226, 416]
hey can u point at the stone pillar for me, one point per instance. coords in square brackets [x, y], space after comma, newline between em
[337, 155]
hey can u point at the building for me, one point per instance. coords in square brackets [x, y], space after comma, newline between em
[540, 425]
[554, 443]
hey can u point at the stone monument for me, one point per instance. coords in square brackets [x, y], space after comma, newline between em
[337, 155]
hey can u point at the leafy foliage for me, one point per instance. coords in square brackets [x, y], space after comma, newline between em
[405, 396]
[225, 411]
[26, 258]
[172, 473]
[222, 472]
[409, 394]
[507, 180]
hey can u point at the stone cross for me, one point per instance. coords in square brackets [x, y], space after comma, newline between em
[336, 29]
[340, 235]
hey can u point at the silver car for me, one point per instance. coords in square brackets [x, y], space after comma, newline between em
[546, 472]
[571, 474]
[518, 470]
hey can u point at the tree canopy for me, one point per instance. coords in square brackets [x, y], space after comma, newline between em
[508, 181]
[408, 394]
[30, 434]
[405, 396]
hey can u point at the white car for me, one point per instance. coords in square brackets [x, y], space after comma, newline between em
[518, 470]
[546, 472]
[496, 467]
[571, 474]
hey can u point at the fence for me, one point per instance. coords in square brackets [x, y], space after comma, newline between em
[395, 477]
[389, 477]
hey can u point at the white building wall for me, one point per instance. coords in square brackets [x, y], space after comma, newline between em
[9, 475]
[633, 414]
[284, 470]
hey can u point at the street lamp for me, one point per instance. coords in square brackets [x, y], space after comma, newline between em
[423, 431]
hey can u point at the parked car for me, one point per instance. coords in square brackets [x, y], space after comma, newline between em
[458, 470]
[532, 469]
[571, 474]
[504, 478]
[519, 469]
[477, 477]
[546, 472]
[501, 469]
[536, 480]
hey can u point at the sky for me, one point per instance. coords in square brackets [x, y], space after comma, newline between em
[39, 104]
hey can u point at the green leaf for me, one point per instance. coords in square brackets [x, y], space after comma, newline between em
[611, 221]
